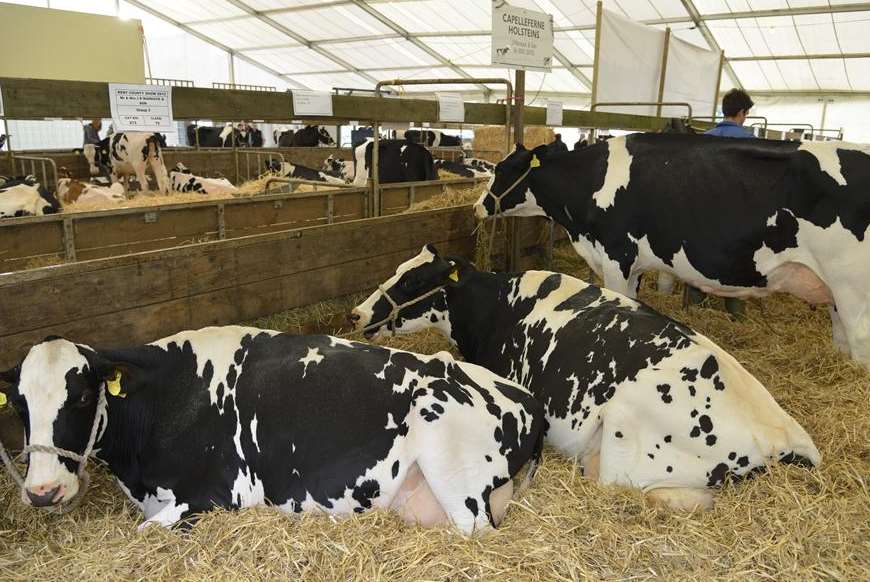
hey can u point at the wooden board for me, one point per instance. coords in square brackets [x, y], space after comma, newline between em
[38, 99]
[141, 297]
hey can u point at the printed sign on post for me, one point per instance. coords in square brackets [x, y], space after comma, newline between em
[312, 103]
[554, 113]
[141, 107]
[521, 39]
[450, 107]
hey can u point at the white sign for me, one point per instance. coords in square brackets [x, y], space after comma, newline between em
[521, 39]
[554, 113]
[141, 107]
[316, 103]
[450, 107]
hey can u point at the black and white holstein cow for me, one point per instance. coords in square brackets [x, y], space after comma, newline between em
[732, 217]
[237, 417]
[465, 168]
[640, 399]
[129, 153]
[182, 179]
[288, 170]
[338, 168]
[398, 161]
[25, 196]
[307, 137]
[431, 138]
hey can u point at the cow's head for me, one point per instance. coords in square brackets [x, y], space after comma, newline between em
[273, 165]
[324, 137]
[508, 191]
[55, 391]
[424, 276]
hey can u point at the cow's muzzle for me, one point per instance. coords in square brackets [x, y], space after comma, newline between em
[43, 497]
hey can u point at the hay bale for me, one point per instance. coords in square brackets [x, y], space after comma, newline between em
[489, 143]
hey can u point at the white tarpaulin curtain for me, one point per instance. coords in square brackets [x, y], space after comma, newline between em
[629, 60]
[690, 76]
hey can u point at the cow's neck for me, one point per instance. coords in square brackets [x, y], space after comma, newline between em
[131, 417]
[479, 313]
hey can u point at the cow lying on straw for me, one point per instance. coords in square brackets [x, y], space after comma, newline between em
[237, 417]
[640, 399]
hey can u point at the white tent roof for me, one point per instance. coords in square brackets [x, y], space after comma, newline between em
[772, 45]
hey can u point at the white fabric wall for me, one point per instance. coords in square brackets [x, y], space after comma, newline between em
[691, 76]
[629, 61]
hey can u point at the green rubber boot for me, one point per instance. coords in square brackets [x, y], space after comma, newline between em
[695, 295]
[736, 307]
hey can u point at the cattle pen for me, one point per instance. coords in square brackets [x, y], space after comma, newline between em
[298, 262]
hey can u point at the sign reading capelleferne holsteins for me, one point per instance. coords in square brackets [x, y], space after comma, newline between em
[521, 39]
[141, 107]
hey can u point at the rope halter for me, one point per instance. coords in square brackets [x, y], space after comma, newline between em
[394, 312]
[496, 211]
[83, 476]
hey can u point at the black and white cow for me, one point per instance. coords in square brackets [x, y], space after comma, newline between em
[237, 417]
[182, 180]
[131, 152]
[312, 136]
[283, 137]
[480, 165]
[736, 218]
[431, 138]
[398, 161]
[216, 137]
[640, 399]
[465, 168]
[25, 196]
[338, 168]
[287, 170]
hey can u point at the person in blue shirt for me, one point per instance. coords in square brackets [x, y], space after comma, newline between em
[735, 107]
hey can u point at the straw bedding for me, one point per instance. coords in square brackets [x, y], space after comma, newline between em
[787, 524]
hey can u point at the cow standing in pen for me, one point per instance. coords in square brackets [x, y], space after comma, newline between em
[735, 218]
[398, 161]
[129, 153]
[640, 399]
[238, 417]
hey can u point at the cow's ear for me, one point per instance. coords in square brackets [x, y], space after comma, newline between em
[119, 376]
[431, 248]
[454, 273]
[520, 148]
[12, 375]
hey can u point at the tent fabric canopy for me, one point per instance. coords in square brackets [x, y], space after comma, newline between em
[779, 45]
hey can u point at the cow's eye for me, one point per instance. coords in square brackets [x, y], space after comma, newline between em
[84, 398]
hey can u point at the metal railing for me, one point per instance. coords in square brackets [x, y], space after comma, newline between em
[659, 104]
[713, 118]
[243, 87]
[259, 157]
[168, 82]
[47, 173]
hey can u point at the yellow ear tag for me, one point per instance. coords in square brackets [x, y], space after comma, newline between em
[454, 275]
[2, 399]
[114, 385]
[536, 163]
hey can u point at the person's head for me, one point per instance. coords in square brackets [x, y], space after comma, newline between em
[558, 137]
[97, 124]
[736, 105]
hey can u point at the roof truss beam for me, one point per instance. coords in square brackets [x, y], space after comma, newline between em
[214, 43]
[364, 5]
[711, 40]
[300, 39]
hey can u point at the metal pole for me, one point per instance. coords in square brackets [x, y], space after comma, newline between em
[375, 178]
[598, 13]
[718, 83]
[663, 71]
[519, 101]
